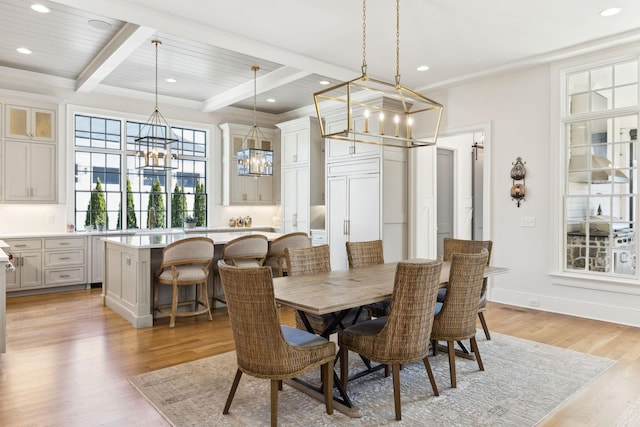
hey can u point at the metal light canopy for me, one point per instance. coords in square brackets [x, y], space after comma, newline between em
[376, 112]
[254, 161]
[153, 150]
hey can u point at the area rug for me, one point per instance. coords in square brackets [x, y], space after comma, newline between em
[523, 383]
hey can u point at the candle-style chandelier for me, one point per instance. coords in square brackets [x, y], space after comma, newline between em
[153, 147]
[375, 112]
[254, 160]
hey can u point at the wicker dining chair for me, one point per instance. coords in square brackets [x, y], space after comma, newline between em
[264, 348]
[460, 246]
[363, 254]
[404, 335]
[313, 260]
[455, 318]
[276, 258]
[185, 262]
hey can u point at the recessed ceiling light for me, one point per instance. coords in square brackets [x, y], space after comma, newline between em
[324, 82]
[40, 8]
[24, 50]
[271, 100]
[611, 11]
[99, 25]
[170, 80]
[423, 68]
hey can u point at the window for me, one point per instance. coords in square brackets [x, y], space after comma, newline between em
[108, 187]
[601, 184]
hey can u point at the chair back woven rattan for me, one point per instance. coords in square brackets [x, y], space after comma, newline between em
[404, 336]
[276, 258]
[363, 254]
[457, 318]
[460, 246]
[185, 262]
[262, 347]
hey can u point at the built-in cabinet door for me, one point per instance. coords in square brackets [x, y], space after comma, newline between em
[354, 213]
[344, 150]
[28, 272]
[29, 173]
[295, 148]
[35, 124]
[295, 200]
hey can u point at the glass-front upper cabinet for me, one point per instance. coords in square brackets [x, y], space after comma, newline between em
[30, 123]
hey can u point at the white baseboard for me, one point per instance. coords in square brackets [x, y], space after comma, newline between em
[587, 309]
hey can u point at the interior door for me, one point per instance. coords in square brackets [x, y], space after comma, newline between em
[445, 194]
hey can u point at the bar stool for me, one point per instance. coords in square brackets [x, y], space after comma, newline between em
[245, 252]
[276, 258]
[184, 263]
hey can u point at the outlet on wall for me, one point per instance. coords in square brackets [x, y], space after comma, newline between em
[527, 221]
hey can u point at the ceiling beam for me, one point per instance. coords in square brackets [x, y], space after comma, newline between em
[119, 48]
[265, 83]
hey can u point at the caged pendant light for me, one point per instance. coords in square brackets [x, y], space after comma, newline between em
[254, 160]
[153, 147]
[376, 112]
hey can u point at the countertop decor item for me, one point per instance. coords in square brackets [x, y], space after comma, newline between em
[189, 222]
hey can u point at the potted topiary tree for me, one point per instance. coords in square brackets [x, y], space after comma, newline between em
[189, 222]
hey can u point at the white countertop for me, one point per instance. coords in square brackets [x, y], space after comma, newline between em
[160, 240]
[3, 255]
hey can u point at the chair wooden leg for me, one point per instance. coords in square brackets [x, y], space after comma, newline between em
[232, 392]
[174, 305]
[452, 362]
[344, 366]
[484, 325]
[434, 346]
[205, 298]
[274, 402]
[280, 385]
[155, 298]
[476, 351]
[386, 371]
[327, 381]
[396, 390]
[432, 380]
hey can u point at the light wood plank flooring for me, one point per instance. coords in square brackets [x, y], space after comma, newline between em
[69, 358]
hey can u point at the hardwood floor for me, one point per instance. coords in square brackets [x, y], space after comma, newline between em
[68, 359]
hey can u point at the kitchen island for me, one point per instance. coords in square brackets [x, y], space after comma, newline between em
[129, 263]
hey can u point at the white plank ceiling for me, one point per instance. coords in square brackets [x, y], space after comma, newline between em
[210, 46]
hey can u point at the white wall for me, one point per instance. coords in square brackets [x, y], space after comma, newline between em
[518, 106]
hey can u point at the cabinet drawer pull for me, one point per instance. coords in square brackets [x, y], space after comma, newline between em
[20, 245]
[65, 276]
[64, 258]
[64, 243]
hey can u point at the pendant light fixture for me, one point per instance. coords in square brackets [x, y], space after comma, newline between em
[375, 112]
[153, 147]
[253, 159]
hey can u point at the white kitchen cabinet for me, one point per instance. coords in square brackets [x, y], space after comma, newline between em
[302, 173]
[246, 190]
[27, 259]
[354, 208]
[29, 172]
[338, 150]
[36, 124]
[47, 262]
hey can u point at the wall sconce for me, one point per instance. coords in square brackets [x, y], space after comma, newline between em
[517, 175]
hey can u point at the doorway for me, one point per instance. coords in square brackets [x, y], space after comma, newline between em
[460, 187]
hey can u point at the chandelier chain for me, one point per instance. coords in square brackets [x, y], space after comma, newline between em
[397, 43]
[364, 37]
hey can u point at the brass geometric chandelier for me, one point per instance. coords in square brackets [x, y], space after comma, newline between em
[376, 112]
[153, 147]
[254, 160]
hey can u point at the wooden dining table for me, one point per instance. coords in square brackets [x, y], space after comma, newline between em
[339, 291]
